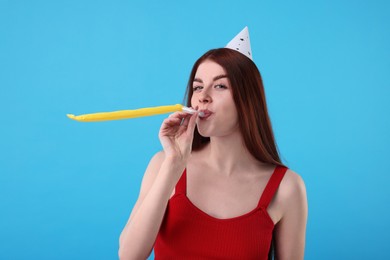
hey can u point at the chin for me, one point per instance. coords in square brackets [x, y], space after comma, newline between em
[209, 131]
[205, 132]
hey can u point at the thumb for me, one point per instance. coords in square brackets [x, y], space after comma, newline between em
[192, 123]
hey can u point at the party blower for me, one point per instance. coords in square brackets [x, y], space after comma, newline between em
[126, 114]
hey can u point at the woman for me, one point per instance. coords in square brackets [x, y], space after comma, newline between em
[218, 190]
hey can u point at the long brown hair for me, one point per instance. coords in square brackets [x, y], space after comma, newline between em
[249, 98]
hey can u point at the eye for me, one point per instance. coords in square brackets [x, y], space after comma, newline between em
[197, 88]
[220, 86]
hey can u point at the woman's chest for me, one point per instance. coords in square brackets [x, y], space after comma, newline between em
[222, 196]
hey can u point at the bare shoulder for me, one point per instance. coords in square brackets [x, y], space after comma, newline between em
[292, 181]
[157, 159]
[292, 189]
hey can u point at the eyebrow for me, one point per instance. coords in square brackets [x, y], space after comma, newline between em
[214, 79]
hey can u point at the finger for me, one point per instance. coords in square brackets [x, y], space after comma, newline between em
[185, 120]
[192, 122]
[172, 121]
[178, 115]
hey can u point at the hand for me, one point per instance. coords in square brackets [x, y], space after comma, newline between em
[176, 135]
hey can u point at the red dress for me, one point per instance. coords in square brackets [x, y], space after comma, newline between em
[189, 233]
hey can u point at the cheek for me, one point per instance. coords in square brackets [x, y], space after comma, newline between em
[194, 102]
[228, 112]
[229, 107]
[232, 116]
[231, 112]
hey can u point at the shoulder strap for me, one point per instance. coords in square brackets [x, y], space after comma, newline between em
[272, 186]
[181, 186]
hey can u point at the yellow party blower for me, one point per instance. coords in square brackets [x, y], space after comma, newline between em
[125, 114]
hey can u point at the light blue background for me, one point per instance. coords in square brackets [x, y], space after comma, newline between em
[67, 188]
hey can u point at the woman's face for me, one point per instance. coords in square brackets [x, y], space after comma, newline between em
[212, 94]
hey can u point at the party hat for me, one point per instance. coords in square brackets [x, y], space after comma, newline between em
[241, 43]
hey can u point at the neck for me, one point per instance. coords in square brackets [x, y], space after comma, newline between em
[229, 154]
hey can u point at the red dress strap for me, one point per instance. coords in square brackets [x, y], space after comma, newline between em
[181, 186]
[272, 186]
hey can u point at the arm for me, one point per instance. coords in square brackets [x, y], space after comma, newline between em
[291, 229]
[164, 170]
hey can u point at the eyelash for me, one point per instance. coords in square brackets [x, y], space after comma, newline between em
[195, 88]
[221, 85]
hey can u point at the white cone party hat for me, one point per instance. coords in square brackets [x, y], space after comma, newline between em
[241, 43]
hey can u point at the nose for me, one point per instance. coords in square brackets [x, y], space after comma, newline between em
[204, 98]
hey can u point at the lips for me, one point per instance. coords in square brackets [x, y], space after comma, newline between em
[206, 113]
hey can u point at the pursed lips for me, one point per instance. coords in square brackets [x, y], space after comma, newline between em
[206, 113]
